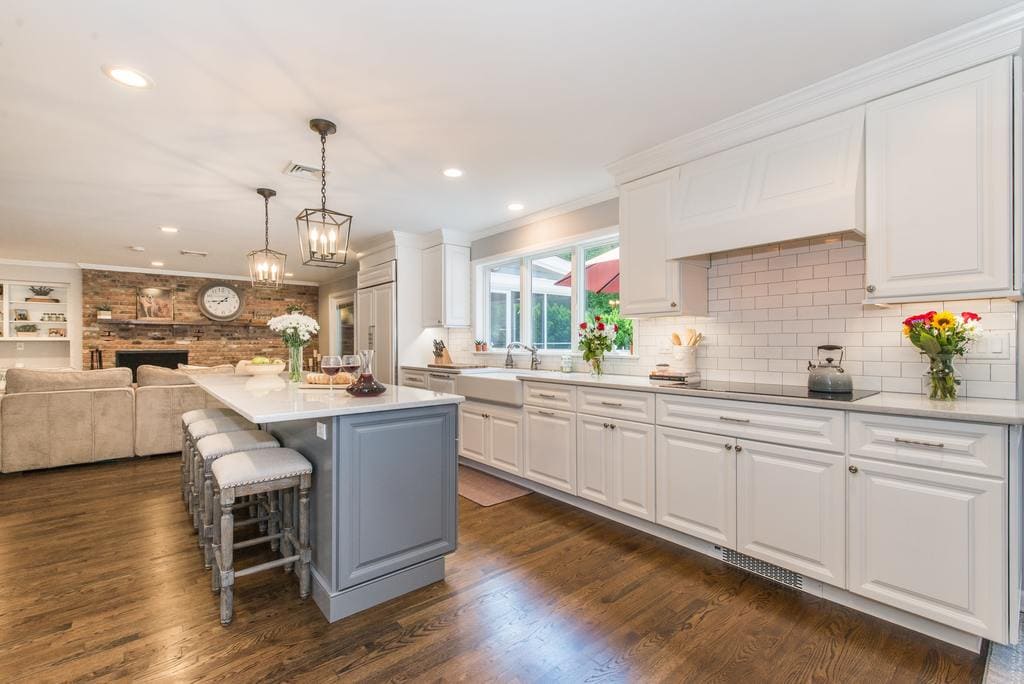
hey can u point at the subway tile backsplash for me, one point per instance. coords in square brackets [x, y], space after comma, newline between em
[770, 306]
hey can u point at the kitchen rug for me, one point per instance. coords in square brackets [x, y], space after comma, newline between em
[485, 489]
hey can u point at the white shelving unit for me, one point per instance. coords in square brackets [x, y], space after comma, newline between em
[14, 296]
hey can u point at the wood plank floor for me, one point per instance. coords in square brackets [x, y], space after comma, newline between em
[100, 578]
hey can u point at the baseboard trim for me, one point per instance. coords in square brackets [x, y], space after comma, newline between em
[341, 604]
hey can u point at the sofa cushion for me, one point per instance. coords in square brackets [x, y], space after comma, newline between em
[150, 376]
[22, 380]
[222, 369]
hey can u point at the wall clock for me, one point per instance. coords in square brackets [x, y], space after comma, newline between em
[221, 301]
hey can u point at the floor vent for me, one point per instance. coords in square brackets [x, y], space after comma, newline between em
[759, 567]
[297, 170]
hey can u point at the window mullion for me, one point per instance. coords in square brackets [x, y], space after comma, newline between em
[525, 302]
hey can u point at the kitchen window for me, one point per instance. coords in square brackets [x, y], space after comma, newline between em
[562, 287]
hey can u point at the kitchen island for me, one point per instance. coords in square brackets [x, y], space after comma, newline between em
[383, 506]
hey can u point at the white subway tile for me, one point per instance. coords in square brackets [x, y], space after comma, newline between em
[882, 339]
[784, 288]
[782, 262]
[801, 326]
[827, 298]
[768, 277]
[846, 254]
[767, 378]
[812, 285]
[804, 299]
[771, 302]
[755, 266]
[845, 282]
[830, 270]
[812, 258]
[755, 290]
[855, 267]
[783, 314]
[907, 385]
[864, 324]
[767, 327]
[882, 368]
[828, 325]
[991, 390]
[812, 312]
[845, 311]
[802, 273]
[864, 353]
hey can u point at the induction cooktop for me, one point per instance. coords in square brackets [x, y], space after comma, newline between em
[776, 390]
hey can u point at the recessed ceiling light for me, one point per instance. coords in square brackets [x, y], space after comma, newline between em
[288, 275]
[453, 172]
[157, 263]
[137, 248]
[515, 206]
[169, 229]
[127, 76]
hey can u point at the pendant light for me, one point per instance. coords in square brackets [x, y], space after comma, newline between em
[323, 233]
[266, 267]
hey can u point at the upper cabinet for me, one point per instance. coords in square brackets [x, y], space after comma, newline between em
[649, 283]
[799, 183]
[446, 286]
[939, 188]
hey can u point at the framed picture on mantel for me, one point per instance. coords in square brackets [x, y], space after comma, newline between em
[155, 304]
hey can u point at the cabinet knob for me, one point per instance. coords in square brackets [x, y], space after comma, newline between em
[870, 288]
[853, 469]
[606, 425]
[738, 448]
[673, 305]
[728, 447]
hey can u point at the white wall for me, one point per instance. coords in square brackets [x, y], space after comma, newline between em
[45, 354]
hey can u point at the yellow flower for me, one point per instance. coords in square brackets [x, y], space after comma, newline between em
[906, 330]
[944, 320]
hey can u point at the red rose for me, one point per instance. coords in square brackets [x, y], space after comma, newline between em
[600, 326]
[970, 316]
[583, 326]
[615, 328]
[597, 319]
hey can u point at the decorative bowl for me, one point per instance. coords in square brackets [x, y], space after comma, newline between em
[246, 368]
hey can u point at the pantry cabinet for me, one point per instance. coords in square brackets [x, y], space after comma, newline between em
[550, 447]
[615, 464]
[790, 508]
[446, 286]
[939, 188]
[649, 283]
[931, 542]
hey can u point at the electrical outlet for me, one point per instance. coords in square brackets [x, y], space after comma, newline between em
[20, 346]
[321, 430]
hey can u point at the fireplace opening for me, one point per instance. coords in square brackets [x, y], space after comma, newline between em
[168, 358]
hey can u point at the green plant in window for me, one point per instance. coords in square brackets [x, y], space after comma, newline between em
[605, 305]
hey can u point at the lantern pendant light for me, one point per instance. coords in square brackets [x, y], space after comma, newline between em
[323, 233]
[266, 267]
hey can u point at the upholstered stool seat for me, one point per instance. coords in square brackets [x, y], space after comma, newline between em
[187, 418]
[211, 448]
[197, 431]
[260, 471]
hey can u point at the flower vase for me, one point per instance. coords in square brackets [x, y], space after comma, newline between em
[295, 363]
[596, 366]
[942, 381]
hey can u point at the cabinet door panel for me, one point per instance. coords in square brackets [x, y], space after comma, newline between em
[550, 456]
[931, 543]
[649, 283]
[633, 469]
[457, 286]
[938, 184]
[696, 485]
[382, 338]
[473, 435]
[593, 459]
[790, 509]
[506, 442]
[441, 382]
[433, 286]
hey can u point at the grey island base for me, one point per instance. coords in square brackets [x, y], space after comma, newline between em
[383, 506]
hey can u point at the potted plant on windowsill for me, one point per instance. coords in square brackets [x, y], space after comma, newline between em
[27, 330]
[103, 312]
[478, 345]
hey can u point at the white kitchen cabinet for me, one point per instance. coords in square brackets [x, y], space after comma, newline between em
[550, 447]
[799, 183]
[446, 286]
[696, 484]
[441, 382]
[790, 509]
[939, 188]
[375, 328]
[473, 437]
[615, 464]
[492, 435]
[930, 542]
[412, 378]
[650, 284]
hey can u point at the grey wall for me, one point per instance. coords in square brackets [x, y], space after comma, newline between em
[586, 220]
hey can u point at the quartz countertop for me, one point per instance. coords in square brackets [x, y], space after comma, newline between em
[998, 411]
[271, 398]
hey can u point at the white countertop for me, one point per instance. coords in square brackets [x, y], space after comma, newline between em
[999, 411]
[271, 398]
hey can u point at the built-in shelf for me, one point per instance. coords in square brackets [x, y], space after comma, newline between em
[41, 338]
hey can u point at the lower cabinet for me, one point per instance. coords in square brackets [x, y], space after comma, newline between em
[491, 435]
[696, 484]
[615, 464]
[931, 542]
[441, 382]
[790, 509]
[473, 436]
[550, 447]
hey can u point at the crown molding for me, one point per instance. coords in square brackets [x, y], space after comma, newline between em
[184, 274]
[990, 37]
[39, 264]
[544, 214]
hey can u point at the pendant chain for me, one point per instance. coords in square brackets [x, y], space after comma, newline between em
[323, 175]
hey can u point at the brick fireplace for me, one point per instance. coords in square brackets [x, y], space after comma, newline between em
[208, 343]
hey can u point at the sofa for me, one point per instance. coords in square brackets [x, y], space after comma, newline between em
[57, 418]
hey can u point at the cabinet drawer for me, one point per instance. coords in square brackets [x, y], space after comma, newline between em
[963, 447]
[794, 426]
[414, 379]
[549, 395]
[638, 406]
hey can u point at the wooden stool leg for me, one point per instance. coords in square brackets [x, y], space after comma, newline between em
[184, 463]
[304, 554]
[254, 510]
[215, 574]
[287, 528]
[208, 512]
[227, 578]
[273, 526]
[197, 488]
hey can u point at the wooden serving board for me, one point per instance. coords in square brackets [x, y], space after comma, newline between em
[456, 365]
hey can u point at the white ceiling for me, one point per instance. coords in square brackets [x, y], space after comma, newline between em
[531, 97]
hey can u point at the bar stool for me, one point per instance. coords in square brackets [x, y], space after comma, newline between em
[264, 471]
[187, 418]
[196, 431]
[210, 449]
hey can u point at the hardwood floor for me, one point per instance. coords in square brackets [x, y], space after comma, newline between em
[100, 577]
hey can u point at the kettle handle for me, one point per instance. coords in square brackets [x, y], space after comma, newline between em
[832, 347]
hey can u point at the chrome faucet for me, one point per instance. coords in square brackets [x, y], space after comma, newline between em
[534, 361]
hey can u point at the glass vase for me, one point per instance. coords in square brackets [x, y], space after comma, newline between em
[596, 366]
[295, 364]
[942, 382]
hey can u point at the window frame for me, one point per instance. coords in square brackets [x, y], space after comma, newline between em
[525, 258]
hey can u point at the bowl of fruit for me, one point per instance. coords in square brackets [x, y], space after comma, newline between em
[261, 365]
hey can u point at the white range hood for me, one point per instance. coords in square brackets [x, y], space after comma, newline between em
[799, 183]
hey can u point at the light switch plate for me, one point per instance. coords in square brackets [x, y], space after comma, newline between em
[321, 430]
[991, 345]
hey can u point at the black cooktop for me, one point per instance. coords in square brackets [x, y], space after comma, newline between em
[776, 390]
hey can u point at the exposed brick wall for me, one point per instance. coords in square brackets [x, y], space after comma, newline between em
[243, 338]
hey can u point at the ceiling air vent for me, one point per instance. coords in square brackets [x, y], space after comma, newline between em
[193, 252]
[296, 170]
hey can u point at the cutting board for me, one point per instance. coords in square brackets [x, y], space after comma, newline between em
[455, 365]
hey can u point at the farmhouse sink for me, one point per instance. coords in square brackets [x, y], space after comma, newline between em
[500, 387]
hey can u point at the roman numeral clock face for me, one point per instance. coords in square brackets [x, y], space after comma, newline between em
[220, 302]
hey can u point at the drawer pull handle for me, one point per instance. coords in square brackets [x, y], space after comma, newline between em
[730, 419]
[606, 425]
[916, 442]
[611, 403]
[611, 425]
[545, 413]
[542, 395]
[440, 376]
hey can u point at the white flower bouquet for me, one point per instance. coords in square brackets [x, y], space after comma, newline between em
[296, 329]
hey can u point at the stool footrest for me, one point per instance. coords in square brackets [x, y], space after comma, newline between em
[266, 566]
[254, 542]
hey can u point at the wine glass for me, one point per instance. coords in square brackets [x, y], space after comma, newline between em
[331, 365]
[351, 364]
